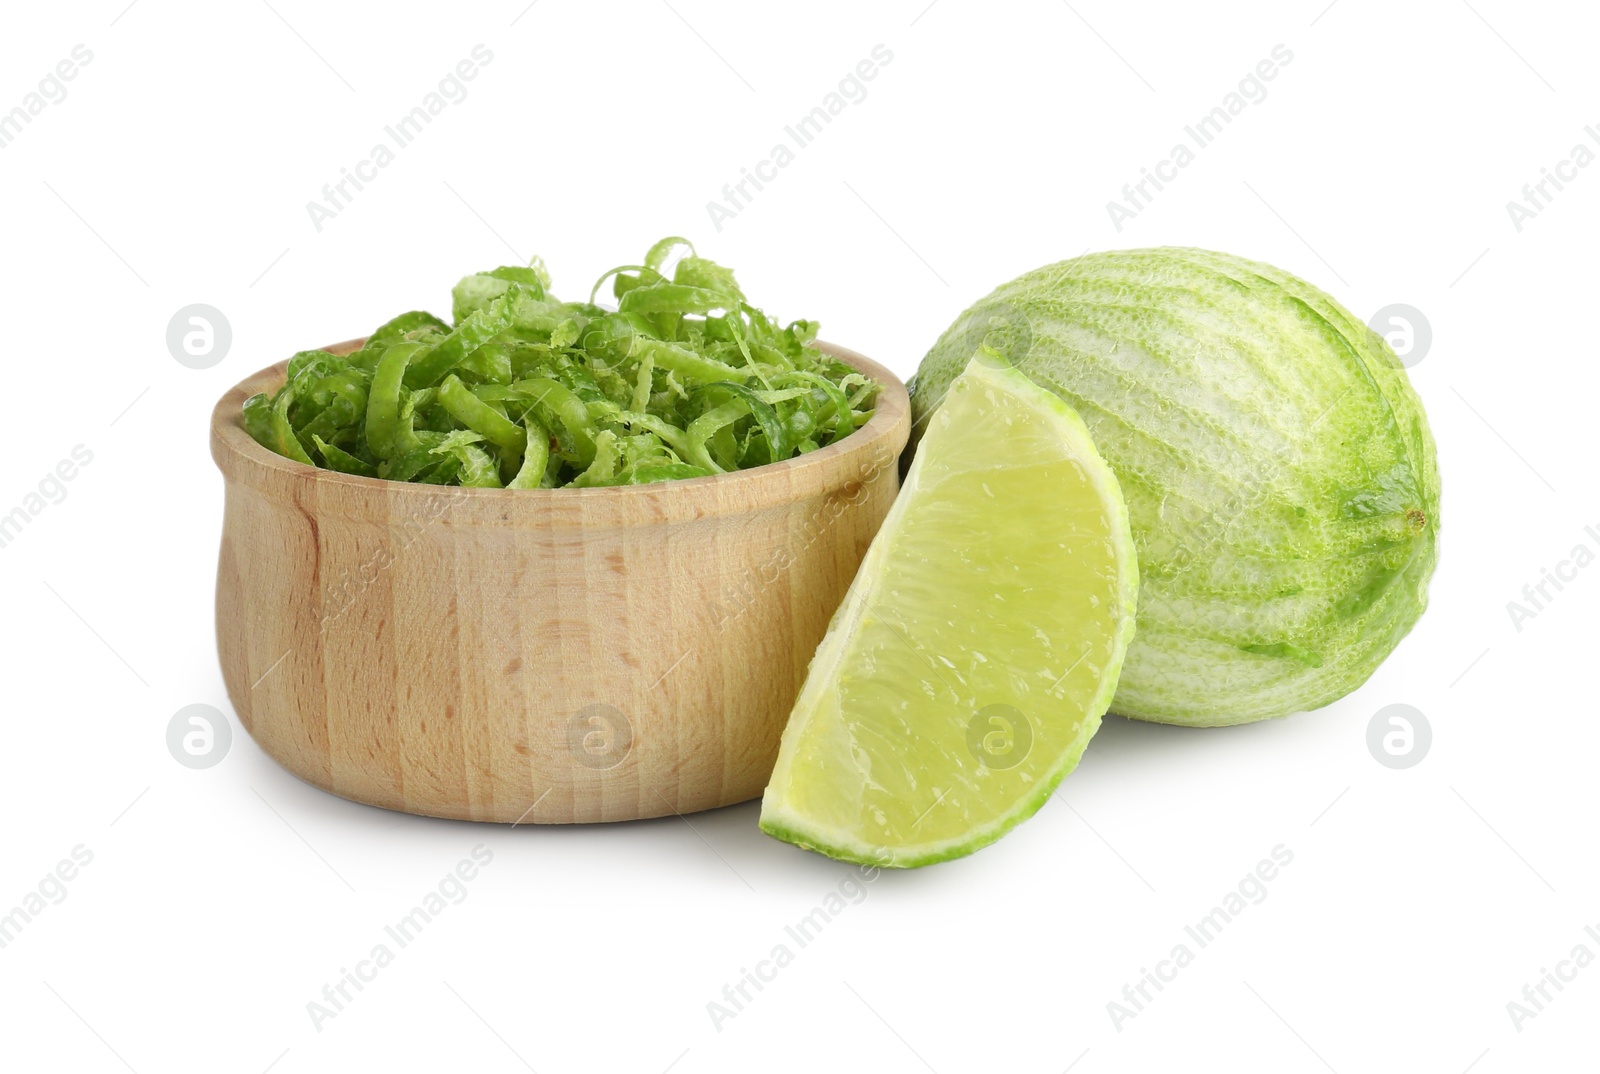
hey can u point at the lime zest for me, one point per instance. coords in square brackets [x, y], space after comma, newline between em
[684, 379]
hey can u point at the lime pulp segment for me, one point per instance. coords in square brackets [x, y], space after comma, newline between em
[978, 646]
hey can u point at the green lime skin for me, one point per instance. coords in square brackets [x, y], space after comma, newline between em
[1280, 476]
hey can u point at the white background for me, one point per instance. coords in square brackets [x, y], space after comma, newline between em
[219, 902]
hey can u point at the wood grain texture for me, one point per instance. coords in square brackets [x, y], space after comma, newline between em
[542, 655]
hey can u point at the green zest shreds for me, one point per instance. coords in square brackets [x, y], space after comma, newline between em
[684, 379]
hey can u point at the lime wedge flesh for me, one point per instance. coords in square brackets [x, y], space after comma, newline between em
[978, 646]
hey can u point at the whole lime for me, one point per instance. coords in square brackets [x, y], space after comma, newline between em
[1280, 476]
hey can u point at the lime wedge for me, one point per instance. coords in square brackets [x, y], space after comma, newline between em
[979, 644]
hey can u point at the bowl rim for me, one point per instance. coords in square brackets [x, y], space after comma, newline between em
[242, 460]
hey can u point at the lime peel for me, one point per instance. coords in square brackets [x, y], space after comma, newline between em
[686, 379]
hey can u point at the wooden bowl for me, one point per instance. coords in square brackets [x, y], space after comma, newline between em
[542, 655]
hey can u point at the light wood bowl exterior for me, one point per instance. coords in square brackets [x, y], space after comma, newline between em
[537, 656]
